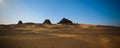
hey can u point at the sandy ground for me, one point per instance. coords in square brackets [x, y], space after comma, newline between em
[36, 36]
[58, 40]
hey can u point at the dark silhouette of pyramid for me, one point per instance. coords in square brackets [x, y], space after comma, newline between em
[65, 21]
[47, 21]
[20, 22]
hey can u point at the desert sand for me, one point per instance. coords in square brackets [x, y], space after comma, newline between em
[59, 36]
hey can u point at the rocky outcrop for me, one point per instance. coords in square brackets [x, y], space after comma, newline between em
[65, 21]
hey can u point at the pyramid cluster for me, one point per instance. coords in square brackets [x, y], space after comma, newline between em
[47, 21]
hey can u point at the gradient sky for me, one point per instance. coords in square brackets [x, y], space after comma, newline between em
[98, 12]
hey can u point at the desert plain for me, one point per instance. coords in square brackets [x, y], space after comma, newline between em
[59, 36]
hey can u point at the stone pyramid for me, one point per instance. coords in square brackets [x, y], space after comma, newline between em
[20, 22]
[65, 21]
[47, 21]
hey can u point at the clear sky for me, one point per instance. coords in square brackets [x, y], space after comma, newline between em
[98, 12]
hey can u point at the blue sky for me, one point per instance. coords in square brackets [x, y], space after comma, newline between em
[98, 12]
